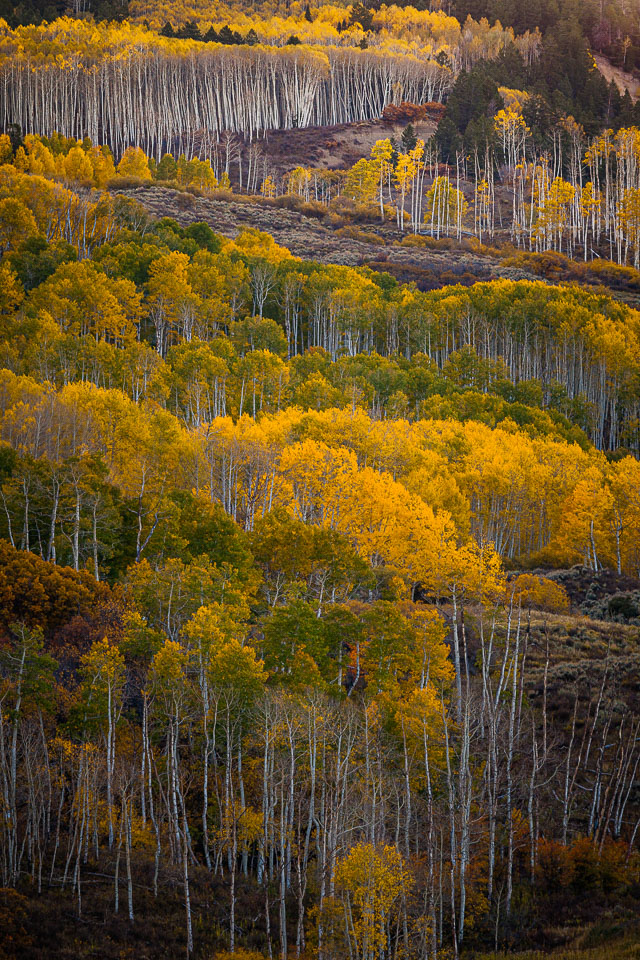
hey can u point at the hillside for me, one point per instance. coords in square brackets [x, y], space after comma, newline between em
[623, 80]
[362, 240]
[308, 235]
[319, 480]
[336, 147]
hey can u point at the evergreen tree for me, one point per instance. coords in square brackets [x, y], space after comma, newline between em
[226, 35]
[361, 15]
[408, 138]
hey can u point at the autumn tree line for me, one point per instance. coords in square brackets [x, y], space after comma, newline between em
[609, 26]
[161, 89]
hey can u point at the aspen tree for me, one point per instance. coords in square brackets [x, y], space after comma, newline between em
[103, 668]
[381, 154]
[171, 696]
[372, 880]
[27, 678]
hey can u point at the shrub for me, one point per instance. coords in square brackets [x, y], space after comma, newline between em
[554, 867]
[363, 236]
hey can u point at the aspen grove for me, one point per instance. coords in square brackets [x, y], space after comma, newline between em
[319, 480]
[258, 632]
[126, 86]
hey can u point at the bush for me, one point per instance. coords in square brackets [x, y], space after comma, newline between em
[129, 183]
[185, 201]
[585, 864]
[308, 208]
[413, 240]
[346, 208]
[619, 607]
[363, 236]
[222, 195]
[553, 866]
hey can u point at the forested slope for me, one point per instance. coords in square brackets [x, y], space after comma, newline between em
[265, 658]
[319, 481]
[161, 89]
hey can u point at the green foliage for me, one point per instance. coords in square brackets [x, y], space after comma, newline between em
[35, 260]
[475, 94]
[208, 531]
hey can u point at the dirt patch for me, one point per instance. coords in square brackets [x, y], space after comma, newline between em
[334, 148]
[624, 81]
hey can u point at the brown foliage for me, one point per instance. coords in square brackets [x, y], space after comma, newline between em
[413, 112]
[13, 924]
[582, 866]
[556, 267]
[41, 594]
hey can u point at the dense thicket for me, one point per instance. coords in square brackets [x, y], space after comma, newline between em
[313, 758]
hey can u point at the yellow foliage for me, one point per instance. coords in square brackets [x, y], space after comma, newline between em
[372, 879]
[134, 163]
[361, 183]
